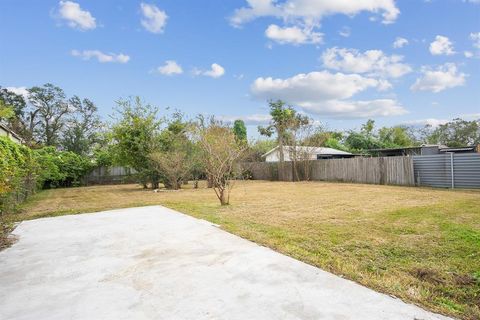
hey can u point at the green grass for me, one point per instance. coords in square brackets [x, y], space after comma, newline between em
[421, 245]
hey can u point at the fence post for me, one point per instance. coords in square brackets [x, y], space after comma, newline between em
[451, 170]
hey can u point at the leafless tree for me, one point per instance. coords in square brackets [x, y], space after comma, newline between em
[220, 154]
[304, 142]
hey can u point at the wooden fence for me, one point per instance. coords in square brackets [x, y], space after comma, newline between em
[389, 170]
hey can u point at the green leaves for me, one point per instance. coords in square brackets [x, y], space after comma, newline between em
[240, 131]
[60, 168]
[17, 171]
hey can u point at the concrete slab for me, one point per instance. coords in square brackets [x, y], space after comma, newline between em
[155, 263]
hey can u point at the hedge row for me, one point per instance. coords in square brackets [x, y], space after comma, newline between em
[23, 171]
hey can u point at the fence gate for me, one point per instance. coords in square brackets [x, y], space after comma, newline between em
[449, 170]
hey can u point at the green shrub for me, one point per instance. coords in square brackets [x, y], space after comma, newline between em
[18, 172]
[60, 168]
[22, 171]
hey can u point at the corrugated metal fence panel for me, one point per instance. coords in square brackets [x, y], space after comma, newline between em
[110, 175]
[436, 170]
[466, 168]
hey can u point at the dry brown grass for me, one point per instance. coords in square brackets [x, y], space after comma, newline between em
[420, 244]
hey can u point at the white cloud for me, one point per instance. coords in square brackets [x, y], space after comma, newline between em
[22, 91]
[154, 19]
[468, 54]
[75, 16]
[372, 62]
[170, 68]
[100, 56]
[356, 109]
[475, 37]
[311, 12]
[216, 71]
[400, 42]
[442, 46]
[327, 93]
[436, 80]
[423, 122]
[317, 85]
[292, 35]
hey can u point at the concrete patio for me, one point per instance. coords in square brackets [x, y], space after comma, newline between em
[155, 263]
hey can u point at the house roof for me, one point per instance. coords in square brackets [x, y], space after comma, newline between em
[7, 129]
[458, 149]
[440, 146]
[312, 150]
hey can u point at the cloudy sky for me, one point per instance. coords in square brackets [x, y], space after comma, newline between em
[339, 61]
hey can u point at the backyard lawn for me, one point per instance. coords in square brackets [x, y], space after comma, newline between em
[418, 244]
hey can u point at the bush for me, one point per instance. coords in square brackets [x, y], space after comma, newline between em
[23, 171]
[18, 173]
[60, 168]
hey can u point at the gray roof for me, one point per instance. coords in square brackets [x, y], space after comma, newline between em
[312, 150]
[7, 129]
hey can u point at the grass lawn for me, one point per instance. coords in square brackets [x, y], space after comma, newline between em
[419, 244]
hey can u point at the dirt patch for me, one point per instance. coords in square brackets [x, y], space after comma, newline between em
[427, 275]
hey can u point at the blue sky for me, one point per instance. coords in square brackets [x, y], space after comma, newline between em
[333, 59]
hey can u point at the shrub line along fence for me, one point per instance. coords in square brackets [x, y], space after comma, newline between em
[444, 170]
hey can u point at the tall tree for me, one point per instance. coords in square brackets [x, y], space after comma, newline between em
[82, 128]
[6, 112]
[48, 115]
[368, 127]
[397, 136]
[457, 133]
[240, 131]
[136, 136]
[284, 119]
[13, 106]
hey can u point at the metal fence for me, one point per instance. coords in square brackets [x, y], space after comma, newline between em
[110, 175]
[448, 170]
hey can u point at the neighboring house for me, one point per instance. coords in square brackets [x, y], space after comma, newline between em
[5, 131]
[304, 152]
[423, 150]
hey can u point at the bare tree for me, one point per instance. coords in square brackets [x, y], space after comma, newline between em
[220, 154]
[306, 138]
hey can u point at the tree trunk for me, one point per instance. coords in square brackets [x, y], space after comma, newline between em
[209, 181]
[282, 158]
[223, 198]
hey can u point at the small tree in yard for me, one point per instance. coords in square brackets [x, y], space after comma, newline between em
[220, 154]
[174, 165]
[174, 160]
[135, 135]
